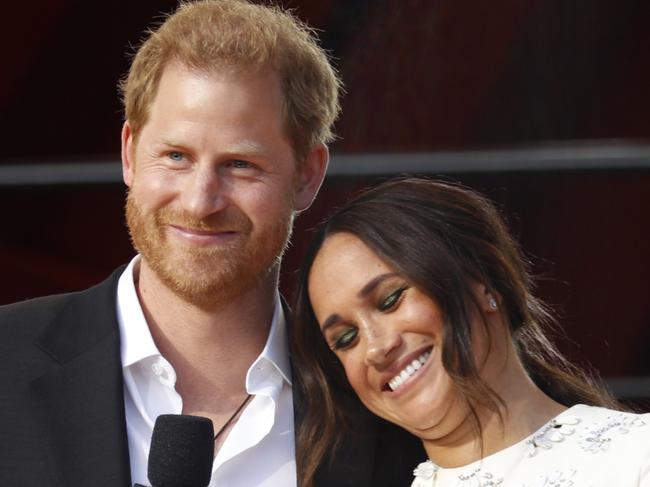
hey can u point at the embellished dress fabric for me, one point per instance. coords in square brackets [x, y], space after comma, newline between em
[584, 446]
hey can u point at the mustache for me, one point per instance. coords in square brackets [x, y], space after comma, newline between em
[225, 220]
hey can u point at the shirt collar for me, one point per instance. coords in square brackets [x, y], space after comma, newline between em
[275, 352]
[137, 342]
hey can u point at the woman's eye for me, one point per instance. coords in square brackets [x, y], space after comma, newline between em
[346, 339]
[391, 300]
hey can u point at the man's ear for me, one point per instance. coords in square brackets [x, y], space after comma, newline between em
[310, 177]
[127, 154]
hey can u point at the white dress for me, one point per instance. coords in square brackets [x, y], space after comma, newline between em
[584, 446]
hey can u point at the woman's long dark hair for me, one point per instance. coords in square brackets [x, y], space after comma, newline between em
[441, 237]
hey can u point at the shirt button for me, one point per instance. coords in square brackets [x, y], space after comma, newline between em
[164, 372]
[157, 369]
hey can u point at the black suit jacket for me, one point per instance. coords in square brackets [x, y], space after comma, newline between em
[62, 421]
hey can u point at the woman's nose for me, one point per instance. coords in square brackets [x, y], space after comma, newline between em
[381, 344]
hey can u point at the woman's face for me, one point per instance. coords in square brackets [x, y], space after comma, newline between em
[386, 333]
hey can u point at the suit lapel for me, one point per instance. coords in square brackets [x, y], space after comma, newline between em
[79, 400]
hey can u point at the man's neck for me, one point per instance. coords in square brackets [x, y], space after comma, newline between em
[210, 350]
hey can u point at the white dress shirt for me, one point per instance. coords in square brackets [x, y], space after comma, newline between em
[259, 451]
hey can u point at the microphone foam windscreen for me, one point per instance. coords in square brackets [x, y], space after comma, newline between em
[182, 451]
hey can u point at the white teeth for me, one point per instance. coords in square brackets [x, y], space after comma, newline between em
[408, 371]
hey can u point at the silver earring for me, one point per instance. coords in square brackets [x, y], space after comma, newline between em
[492, 303]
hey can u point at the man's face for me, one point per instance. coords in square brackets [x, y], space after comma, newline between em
[214, 183]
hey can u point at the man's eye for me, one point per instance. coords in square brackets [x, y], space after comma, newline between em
[346, 339]
[239, 164]
[391, 300]
[175, 156]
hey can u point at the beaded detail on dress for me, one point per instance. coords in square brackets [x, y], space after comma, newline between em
[598, 436]
[555, 479]
[426, 472]
[552, 432]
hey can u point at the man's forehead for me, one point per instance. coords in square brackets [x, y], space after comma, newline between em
[221, 70]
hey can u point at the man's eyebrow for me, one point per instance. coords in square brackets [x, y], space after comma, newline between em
[365, 291]
[169, 142]
[243, 148]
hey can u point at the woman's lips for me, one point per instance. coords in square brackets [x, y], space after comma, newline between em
[407, 371]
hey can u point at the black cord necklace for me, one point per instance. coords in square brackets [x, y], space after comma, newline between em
[234, 415]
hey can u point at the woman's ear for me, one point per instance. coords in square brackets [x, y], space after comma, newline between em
[490, 300]
[493, 304]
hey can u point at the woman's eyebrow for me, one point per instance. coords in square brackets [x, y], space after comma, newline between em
[365, 291]
[374, 282]
[330, 321]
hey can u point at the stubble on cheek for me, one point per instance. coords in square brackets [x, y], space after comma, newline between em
[206, 276]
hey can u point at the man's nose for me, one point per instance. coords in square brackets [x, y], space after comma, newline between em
[381, 345]
[203, 192]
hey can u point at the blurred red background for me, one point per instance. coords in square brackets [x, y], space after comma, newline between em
[421, 77]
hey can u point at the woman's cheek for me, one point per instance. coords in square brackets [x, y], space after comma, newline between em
[356, 373]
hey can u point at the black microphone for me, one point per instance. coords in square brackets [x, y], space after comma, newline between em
[182, 451]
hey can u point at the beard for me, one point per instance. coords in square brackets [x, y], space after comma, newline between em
[208, 276]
